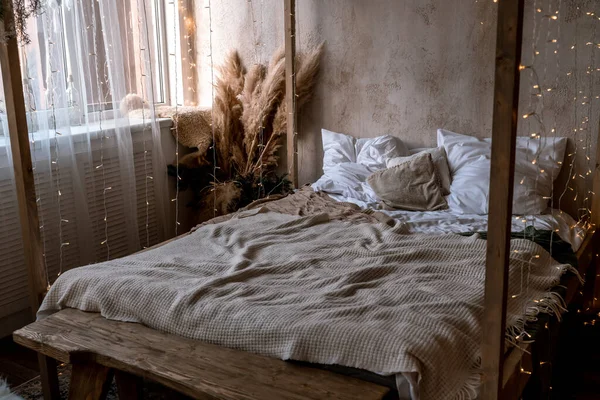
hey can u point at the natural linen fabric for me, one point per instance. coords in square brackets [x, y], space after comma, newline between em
[411, 185]
[362, 295]
[440, 164]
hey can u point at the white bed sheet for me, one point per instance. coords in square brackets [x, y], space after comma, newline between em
[448, 222]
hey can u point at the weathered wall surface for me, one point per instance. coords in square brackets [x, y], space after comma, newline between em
[408, 67]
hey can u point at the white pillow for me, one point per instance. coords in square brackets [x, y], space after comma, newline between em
[337, 148]
[375, 152]
[469, 161]
[348, 162]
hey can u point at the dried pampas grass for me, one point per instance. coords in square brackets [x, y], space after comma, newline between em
[227, 110]
[249, 119]
[307, 70]
[226, 196]
[258, 117]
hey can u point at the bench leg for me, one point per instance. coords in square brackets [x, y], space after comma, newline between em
[49, 377]
[89, 381]
[128, 386]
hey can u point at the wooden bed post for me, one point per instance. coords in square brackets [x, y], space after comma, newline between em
[21, 156]
[25, 187]
[504, 134]
[290, 90]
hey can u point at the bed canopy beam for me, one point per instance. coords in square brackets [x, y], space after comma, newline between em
[289, 10]
[504, 134]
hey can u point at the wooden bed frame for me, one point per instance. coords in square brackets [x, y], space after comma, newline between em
[98, 347]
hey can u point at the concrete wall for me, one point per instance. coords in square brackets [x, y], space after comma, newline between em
[408, 67]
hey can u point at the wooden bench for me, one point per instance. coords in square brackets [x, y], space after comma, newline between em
[97, 348]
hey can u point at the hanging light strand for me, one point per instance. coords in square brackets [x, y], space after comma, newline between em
[574, 74]
[557, 74]
[101, 167]
[175, 120]
[142, 56]
[190, 29]
[55, 163]
[298, 120]
[212, 125]
[31, 108]
[258, 60]
[150, 83]
[586, 122]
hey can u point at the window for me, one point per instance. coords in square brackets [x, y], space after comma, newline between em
[82, 59]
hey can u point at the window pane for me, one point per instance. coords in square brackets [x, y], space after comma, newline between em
[157, 39]
[174, 53]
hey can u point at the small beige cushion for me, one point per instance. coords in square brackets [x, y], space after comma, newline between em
[440, 162]
[411, 185]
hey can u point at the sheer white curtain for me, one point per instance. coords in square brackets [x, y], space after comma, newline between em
[98, 174]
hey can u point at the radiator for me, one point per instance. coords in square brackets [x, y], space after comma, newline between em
[82, 212]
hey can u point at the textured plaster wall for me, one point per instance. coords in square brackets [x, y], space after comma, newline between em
[408, 67]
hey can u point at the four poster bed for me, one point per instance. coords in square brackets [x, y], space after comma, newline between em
[409, 334]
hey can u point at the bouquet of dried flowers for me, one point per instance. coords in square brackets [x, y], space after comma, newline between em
[249, 119]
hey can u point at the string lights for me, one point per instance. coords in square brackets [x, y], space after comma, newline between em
[258, 60]
[175, 127]
[585, 123]
[31, 108]
[142, 62]
[212, 125]
[578, 182]
[189, 25]
[55, 163]
[298, 120]
[100, 167]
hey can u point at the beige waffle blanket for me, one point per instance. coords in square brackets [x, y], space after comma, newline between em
[357, 294]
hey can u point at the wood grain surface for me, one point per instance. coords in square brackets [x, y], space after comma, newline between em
[192, 367]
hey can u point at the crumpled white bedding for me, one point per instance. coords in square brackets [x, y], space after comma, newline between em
[447, 221]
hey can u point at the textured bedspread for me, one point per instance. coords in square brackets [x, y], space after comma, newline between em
[358, 294]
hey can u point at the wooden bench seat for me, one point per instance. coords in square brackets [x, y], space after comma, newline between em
[97, 347]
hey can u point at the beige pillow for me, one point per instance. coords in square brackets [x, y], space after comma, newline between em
[411, 185]
[440, 162]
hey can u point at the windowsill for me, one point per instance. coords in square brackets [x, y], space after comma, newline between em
[80, 133]
[136, 125]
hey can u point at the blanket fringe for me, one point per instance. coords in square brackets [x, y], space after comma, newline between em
[471, 388]
[550, 303]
